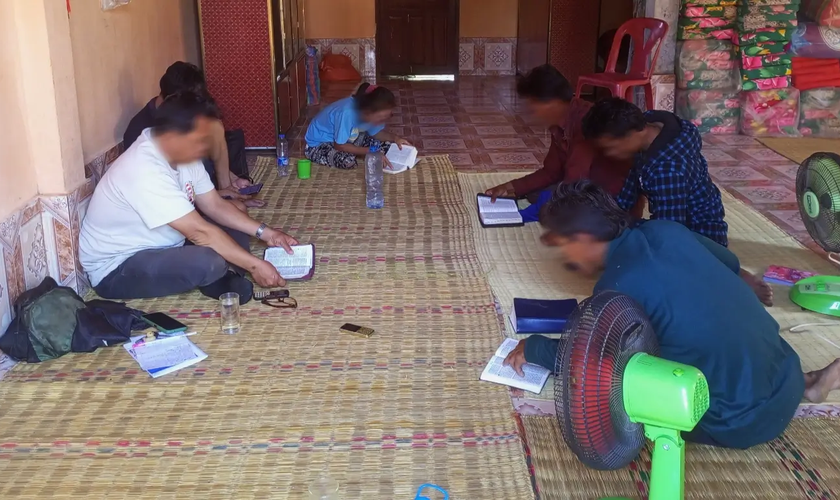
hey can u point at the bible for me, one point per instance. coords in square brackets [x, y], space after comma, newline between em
[298, 266]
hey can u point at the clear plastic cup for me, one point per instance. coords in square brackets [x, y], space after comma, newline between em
[324, 487]
[229, 312]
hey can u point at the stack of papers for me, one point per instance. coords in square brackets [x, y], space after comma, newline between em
[165, 355]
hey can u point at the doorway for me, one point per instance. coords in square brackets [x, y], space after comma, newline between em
[417, 37]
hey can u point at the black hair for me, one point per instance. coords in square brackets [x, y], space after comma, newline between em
[182, 77]
[545, 83]
[584, 208]
[178, 112]
[613, 117]
[374, 99]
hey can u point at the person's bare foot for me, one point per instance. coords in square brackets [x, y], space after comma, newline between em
[252, 203]
[819, 383]
[760, 287]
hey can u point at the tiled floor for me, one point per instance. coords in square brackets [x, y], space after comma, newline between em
[482, 125]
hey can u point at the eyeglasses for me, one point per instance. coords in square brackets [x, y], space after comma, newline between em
[281, 302]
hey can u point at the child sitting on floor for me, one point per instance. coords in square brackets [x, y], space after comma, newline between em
[348, 128]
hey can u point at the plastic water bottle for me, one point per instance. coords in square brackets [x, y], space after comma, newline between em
[282, 156]
[373, 178]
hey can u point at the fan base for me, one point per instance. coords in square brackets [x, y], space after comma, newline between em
[819, 294]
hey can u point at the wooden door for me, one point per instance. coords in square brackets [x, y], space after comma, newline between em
[573, 24]
[532, 34]
[417, 37]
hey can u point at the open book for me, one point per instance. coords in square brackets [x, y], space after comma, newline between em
[298, 266]
[503, 213]
[165, 355]
[495, 371]
[401, 159]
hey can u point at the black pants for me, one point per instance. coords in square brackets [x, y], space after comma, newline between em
[169, 271]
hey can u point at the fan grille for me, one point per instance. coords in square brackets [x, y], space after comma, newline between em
[603, 334]
[820, 175]
[701, 398]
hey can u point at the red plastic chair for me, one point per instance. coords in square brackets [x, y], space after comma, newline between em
[621, 84]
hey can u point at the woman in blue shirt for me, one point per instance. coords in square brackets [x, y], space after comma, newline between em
[348, 128]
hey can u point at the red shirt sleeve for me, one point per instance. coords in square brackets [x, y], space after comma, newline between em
[553, 171]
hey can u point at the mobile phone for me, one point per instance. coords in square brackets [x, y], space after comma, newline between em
[252, 189]
[164, 323]
[358, 331]
[273, 294]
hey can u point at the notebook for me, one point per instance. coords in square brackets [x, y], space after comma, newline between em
[787, 276]
[503, 213]
[496, 372]
[541, 316]
[299, 266]
[166, 355]
[401, 159]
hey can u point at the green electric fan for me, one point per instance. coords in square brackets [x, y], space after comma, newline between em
[818, 192]
[612, 392]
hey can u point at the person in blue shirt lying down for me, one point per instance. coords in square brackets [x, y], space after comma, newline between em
[703, 313]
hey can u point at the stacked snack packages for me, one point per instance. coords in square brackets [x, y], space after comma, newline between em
[708, 76]
[707, 19]
[773, 112]
[820, 113]
[769, 104]
[765, 27]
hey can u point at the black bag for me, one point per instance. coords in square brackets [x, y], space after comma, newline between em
[52, 320]
[235, 140]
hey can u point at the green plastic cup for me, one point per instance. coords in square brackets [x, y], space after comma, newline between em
[304, 168]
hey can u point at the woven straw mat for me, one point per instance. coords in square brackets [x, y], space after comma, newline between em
[802, 463]
[798, 149]
[289, 397]
[517, 265]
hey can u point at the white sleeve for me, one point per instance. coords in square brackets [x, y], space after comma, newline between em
[201, 179]
[157, 198]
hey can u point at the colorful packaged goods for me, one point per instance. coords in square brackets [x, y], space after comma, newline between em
[684, 33]
[762, 49]
[824, 12]
[706, 65]
[764, 35]
[694, 23]
[813, 40]
[765, 72]
[777, 82]
[770, 2]
[756, 62]
[809, 73]
[820, 113]
[770, 112]
[708, 3]
[726, 12]
[712, 111]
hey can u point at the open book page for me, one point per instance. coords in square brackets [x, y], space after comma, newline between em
[164, 356]
[534, 376]
[293, 266]
[401, 159]
[503, 211]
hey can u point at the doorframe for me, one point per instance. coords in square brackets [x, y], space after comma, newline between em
[454, 16]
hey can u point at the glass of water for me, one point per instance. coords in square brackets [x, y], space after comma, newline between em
[229, 306]
[324, 488]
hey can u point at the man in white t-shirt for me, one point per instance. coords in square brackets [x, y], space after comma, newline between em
[132, 243]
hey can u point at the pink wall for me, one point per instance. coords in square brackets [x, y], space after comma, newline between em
[120, 56]
[17, 177]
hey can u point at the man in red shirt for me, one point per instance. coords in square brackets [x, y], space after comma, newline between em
[570, 158]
